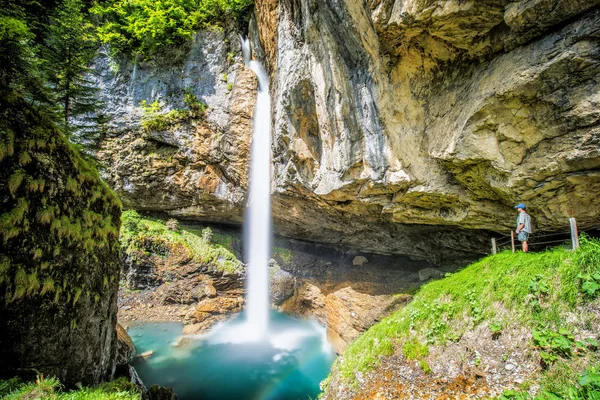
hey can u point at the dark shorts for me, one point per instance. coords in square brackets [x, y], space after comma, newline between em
[523, 236]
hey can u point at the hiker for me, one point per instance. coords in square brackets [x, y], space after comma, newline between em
[523, 226]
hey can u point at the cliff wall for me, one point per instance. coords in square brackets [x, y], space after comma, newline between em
[406, 127]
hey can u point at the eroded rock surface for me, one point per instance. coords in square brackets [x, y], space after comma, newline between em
[400, 127]
[159, 158]
[403, 113]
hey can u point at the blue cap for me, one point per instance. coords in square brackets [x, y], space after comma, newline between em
[520, 205]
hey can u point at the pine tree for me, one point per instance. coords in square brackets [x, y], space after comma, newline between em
[70, 46]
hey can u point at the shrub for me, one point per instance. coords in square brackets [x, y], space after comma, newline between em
[147, 26]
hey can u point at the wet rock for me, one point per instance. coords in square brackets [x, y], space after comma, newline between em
[282, 284]
[346, 313]
[429, 273]
[360, 260]
[125, 346]
[349, 313]
[157, 392]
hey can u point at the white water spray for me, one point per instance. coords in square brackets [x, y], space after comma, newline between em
[258, 214]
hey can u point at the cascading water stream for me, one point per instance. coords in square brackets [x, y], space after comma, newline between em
[271, 356]
[258, 214]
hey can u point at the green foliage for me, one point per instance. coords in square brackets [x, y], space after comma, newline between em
[414, 350]
[538, 290]
[590, 284]
[19, 65]
[442, 310]
[553, 344]
[284, 255]
[586, 388]
[155, 119]
[70, 46]
[146, 26]
[149, 236]
[51, 389]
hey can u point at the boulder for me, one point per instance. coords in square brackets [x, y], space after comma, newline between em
[125, 347]
[360, 260]
[429, 273]
[282, 284]
[59, 257]
[157, 392]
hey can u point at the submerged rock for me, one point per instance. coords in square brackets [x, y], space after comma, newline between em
[157, 392]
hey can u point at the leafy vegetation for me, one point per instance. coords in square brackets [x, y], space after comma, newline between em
[45, 52]
[536, 290]
[587, 388]
[144, 27]
[154, 118]
[152, 236]
[51, 389]
[284, 255]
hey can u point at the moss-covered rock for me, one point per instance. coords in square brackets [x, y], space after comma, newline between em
[59, 253]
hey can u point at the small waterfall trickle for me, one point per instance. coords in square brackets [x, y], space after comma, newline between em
[257, 225]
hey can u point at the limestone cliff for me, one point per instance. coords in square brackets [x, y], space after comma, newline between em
[399, 126]
[435, 112]
[59, 255]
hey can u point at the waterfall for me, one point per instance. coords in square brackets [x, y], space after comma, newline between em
[257, 224]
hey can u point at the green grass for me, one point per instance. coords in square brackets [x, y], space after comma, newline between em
[521, 289]
[51, 389]
[153, 236]
[286, 255]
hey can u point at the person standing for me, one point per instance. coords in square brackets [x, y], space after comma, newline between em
[523, 226]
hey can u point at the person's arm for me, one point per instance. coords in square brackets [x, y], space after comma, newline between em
[520, 223]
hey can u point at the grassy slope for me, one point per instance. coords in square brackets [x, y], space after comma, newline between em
[50, 389]
[153, 236]
[537, 290]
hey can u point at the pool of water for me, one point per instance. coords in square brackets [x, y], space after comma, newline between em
[288, 365]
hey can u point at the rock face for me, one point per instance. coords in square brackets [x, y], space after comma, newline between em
[177, 276]
[125, 347]
[400, 113]
[400, 127]
[59, 258]
[163, 159]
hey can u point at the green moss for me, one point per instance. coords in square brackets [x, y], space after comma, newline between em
[284, 254]
[46, 215]
[7, 148]
[33, 283]
[48, 286]
[73, 185]
[37, 253]
[15, 181]
[77, 295]
[153, 237]
[36, 185]
[4, 268]
[24, 158]
[443, 309]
